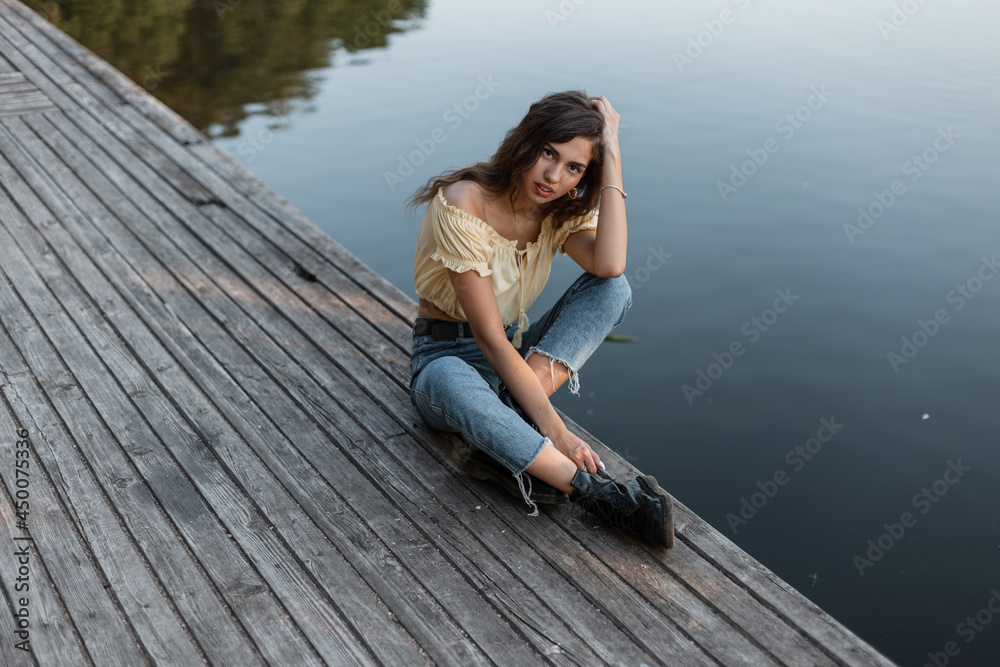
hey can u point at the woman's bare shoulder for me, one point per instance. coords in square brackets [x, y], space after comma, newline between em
[468, 196]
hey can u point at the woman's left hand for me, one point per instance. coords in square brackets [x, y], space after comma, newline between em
[577, 451]
[611, 121]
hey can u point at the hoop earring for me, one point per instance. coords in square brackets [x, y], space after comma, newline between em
[573, 194]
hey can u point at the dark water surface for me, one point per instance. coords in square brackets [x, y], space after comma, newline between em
[821, 386]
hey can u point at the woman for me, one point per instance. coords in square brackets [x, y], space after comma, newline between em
[484, 251]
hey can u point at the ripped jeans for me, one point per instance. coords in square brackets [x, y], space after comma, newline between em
[454, 389]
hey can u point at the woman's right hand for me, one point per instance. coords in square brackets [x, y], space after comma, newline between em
[612, 119]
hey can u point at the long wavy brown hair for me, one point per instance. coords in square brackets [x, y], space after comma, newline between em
[555, 119]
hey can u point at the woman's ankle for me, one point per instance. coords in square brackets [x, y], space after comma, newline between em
[553, 468]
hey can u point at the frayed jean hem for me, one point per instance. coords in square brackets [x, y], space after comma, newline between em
[574, 376]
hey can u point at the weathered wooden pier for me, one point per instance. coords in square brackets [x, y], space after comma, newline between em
[204, 409]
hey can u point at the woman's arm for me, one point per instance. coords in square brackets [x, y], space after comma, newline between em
[602, 251]
[475, 294]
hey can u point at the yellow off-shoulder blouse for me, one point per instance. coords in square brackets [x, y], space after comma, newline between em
[450, 238]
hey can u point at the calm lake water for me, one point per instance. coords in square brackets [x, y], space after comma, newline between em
[813, 243]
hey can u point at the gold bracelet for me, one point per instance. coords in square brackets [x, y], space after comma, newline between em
[616, 188]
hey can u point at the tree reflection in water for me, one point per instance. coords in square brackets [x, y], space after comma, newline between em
[215, 62]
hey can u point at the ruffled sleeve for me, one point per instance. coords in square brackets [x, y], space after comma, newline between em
[573, 225]
[461, 242]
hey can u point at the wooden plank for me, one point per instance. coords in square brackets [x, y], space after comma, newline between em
[192, 517]
[22, 111]
[20, 96]
[51, 639]
[26, 109]
[24, 104]
[9, 653]
[15, 650]
[271, 261]
[148, 614]
[430, 571]
[69, 557]
[11, 99]
[11, 44]
[14, 91]
[20, 85]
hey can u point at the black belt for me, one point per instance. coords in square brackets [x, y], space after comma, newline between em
[441, 329]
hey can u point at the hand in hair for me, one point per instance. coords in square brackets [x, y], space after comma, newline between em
[611, 123]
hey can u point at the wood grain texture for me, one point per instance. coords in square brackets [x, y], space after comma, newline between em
[225, 447]
[244, 586]
[52, 639]
[18, 96]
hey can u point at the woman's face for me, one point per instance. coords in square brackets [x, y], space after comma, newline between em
[557, 171]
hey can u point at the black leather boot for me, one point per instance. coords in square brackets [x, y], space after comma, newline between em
[638, 506]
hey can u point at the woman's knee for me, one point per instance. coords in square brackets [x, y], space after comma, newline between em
[451, 382]
[433, 390]
[617, 294]
[622, 290]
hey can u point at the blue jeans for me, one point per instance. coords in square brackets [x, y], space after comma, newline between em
[454, 389]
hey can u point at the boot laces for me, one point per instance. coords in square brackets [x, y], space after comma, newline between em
[614, 507]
